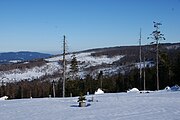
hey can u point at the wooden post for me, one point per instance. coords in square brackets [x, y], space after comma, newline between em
[64, 65]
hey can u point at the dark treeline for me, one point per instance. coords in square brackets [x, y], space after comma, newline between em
[22, 65]
[169, 73]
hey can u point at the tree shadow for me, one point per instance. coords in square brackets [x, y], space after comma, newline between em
[78, 105]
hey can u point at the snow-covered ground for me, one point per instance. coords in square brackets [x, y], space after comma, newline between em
[115, 106]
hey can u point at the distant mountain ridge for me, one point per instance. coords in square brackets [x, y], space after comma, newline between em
[14, 57]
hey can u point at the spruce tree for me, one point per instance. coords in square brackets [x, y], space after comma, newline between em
[74, 66]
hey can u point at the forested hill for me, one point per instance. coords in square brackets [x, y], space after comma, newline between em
[14, 57]
[132, 52]
[110, 60]
[114, 69]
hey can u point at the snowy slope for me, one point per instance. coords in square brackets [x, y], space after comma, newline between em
[117, 106]
[53, 65]
[86, 60]
[29, 74]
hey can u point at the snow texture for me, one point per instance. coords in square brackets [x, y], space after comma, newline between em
[134, 90]
[99, 91]
[114, 106]
[4, 98]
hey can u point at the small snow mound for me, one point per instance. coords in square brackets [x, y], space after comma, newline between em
[4, 98]
[134, 90]
[99, 91]
[167, 88]
[175, 88]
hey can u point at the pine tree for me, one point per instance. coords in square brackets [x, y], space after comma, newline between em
[74, 66]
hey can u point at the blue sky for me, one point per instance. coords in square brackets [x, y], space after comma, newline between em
[39, 25]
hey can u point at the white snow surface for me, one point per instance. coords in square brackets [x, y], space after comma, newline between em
[99, 91]
[116, 106]
[133, 90]
[4, 98]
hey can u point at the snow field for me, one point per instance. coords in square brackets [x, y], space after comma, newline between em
[115, 106]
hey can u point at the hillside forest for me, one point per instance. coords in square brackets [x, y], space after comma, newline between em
[169, 75]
